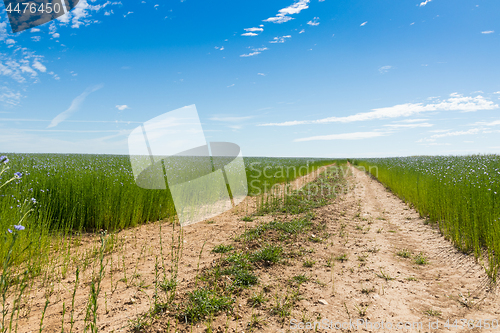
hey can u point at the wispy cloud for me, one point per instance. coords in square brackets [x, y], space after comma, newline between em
[411, 120]
[487, 32]
[314, 21]
[409, 125]
[231, 119]
[262, 74]
[283, 14]
[384, 69]
[122, 107]
[75, 105]
[9, 97]
[255, 52]
[363, 24]
[254, 29]
[424, 3]
[251, 54]
[281, 39]
[457, 133]
[491, 123]
[344, 136]
[249, 34]
[455, 103]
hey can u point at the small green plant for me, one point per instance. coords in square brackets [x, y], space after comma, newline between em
[257, 299]
[210, 222]
[362, 258]
[284, 303]
[432, 313]
[204, 302]
[308, 263]
[466, 300]
[411, 278]
[421, 259]
[247, 219]
[343, 257]
[222, 248]
[255, 322]
[362, 308]
[268, 254]
[384, 275]
[367, 291]
[299, 279]
[404, 253]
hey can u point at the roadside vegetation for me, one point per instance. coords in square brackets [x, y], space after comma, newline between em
[50, 205]
[459, 193]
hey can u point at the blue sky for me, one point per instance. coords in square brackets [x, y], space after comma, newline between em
[280, 78]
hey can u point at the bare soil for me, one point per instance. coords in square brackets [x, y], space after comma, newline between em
[368, 224]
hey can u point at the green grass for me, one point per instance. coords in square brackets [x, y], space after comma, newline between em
[203, 303]
[404, 253]
[267, 254]
[222, 248]
[460, 193]
[421, 259]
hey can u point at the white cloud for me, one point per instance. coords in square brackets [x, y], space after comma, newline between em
[231, 119]
[283, 14]
[344, 136]
[262, 74]
[10, 41]
[302, 31]
[122, 107]
[250, 54]
[457, 133]
[455, 103]
[384, 69]
[249, 34]
[314, 21]
[256, 51]
[487, 32]
[254, 29]
[411, 120]
[425, 3]
[75, 105]
[37, 65]
[231, 85]
[36, 38]
[409, 125]
[492, 123]
[363, 24]
[280, 39]
[20, 69]
[35, 30]
[9, 97]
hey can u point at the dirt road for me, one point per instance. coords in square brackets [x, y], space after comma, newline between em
[388, 267]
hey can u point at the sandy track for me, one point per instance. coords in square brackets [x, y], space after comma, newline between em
[369, 222]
